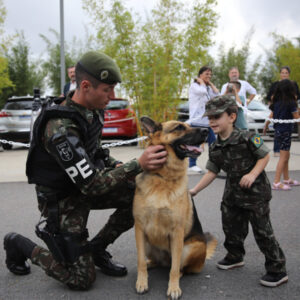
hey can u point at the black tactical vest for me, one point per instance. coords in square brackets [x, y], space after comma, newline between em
[41, 167]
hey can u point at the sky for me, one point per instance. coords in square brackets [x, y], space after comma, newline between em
[35, 17]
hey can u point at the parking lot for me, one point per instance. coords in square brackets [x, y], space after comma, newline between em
[19, 213]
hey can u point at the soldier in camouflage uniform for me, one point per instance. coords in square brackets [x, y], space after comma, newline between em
[73, 175]
[243, 156]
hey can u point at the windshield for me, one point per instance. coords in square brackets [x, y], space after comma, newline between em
[255, 105]
[18, 105]
[117, 104]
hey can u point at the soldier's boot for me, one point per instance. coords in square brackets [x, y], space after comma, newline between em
[18, 249]
[103, 260]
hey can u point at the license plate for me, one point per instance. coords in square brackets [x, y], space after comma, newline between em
[110, 130]
[25, 117]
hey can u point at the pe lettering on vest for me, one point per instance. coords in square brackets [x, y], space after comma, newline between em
[82, 168]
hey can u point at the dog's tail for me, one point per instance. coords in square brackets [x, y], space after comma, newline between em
[211, 244]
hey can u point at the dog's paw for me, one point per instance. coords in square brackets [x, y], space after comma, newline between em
[174, 292]
[141, 285]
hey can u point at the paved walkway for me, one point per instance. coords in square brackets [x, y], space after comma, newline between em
[12, 162]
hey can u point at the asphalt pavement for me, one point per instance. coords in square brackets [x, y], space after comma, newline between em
[19, 213]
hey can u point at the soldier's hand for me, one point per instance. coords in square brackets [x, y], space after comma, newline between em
[247, 180]
[153, 158]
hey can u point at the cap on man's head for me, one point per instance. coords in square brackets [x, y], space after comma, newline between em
[101, 66]
[218, 105]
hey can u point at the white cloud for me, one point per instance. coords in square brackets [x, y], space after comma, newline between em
[236, 19]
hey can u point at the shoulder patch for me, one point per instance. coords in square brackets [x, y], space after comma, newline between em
[65, 151]
[257, 140]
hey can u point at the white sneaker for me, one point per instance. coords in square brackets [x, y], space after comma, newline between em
[195, 169]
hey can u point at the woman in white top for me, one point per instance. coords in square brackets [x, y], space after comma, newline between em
[201, 91]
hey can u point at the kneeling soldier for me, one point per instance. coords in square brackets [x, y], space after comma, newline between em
[74, 174]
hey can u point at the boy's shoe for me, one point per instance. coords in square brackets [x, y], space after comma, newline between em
[227, 264]
[195, 169]
[274, 279]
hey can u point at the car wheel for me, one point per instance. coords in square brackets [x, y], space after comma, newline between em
[7, 146]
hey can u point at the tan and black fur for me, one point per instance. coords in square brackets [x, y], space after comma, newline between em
[167, 229]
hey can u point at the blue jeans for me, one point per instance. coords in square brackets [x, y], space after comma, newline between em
[210, 139]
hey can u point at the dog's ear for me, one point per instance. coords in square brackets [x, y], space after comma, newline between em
[149, 125]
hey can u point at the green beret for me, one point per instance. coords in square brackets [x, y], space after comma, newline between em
[219, 104]
[101, 67]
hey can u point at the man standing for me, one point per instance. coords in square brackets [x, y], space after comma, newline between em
[246, 87]
[74, 174]
[70, 86]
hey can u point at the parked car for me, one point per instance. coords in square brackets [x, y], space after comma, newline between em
[183, 111]
[256, 115]
[15, 120]
[119, 120]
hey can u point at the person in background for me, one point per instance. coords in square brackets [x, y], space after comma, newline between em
[201, 91]
[70, 86]
[284, 74]
[283, 107]
[233, 89]
[246, 87]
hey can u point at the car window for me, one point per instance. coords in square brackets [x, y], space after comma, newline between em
[117, 104]
[18, 105]
[255, 105]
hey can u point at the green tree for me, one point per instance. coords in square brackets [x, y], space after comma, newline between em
[157, 57]
[5, 82]
[239, 58]
[51, 65]
[23, 71]
[284, 52]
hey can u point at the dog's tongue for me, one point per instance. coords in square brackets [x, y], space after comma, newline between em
[194, 148]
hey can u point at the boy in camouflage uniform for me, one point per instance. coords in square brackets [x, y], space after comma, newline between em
[243, 156]
[73, 175]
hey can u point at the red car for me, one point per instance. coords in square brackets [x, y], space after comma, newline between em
[119, 120]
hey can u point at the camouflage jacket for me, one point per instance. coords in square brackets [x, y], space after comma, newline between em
[103, 180]
[237, 156]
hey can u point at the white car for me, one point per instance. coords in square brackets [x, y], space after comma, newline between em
[15, 120]
[256, 115]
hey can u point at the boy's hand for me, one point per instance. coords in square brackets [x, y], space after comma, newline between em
[247, 180]
[193, 192]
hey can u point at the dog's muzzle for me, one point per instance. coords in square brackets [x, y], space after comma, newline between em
[189, 145]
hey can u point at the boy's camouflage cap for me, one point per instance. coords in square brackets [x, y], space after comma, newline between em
[101, 67]
[218, 105]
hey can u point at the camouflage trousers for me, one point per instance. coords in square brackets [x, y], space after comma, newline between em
[73, 217]
[235, 222]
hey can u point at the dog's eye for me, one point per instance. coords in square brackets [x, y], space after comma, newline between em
[180, 127]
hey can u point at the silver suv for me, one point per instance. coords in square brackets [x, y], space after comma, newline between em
[15, 120]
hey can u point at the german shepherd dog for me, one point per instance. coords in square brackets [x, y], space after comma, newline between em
[167, 229]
